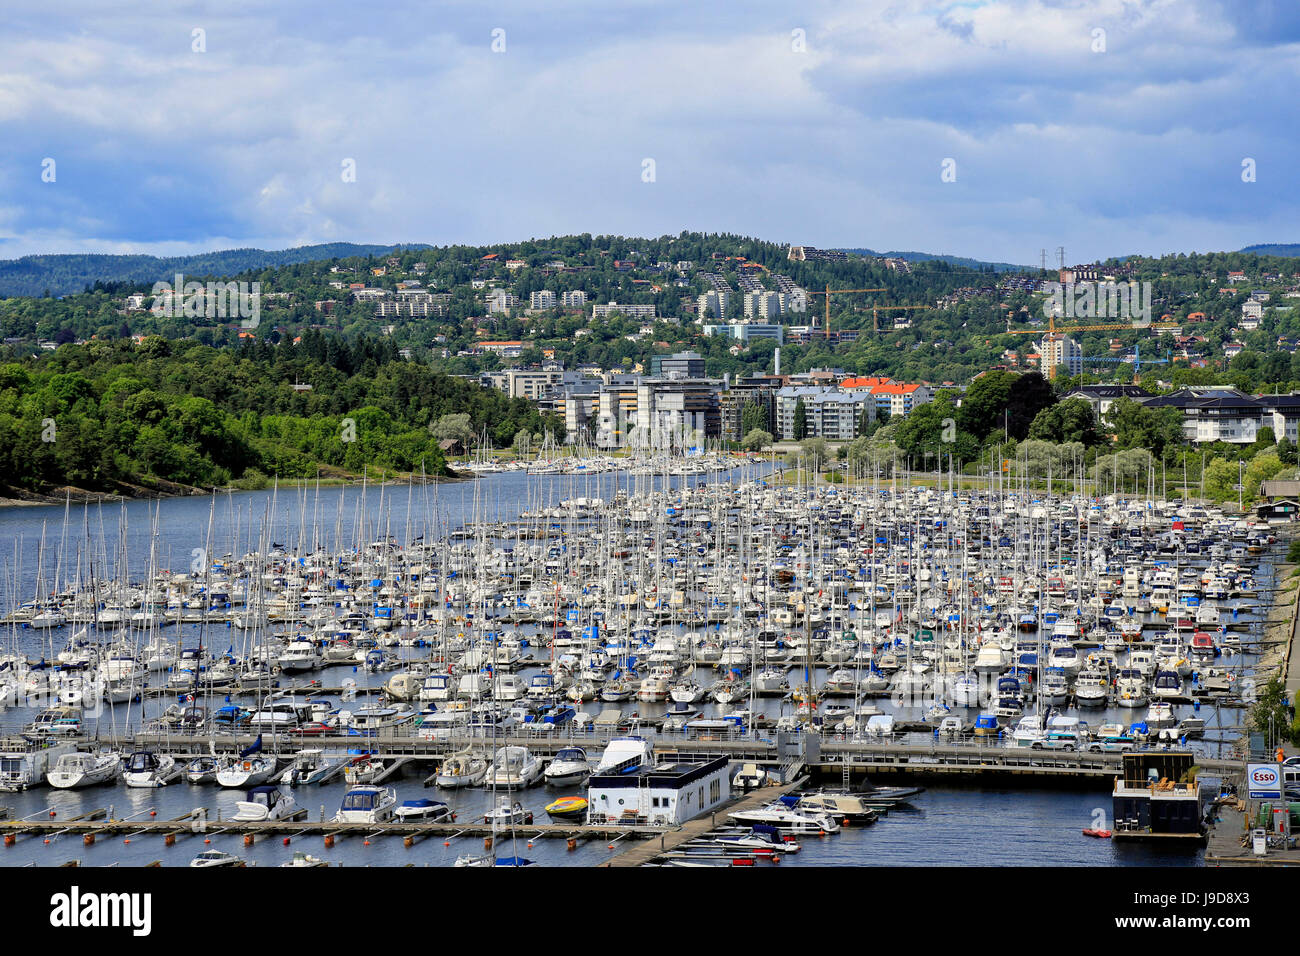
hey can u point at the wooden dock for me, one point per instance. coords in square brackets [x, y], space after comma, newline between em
[194, 824]
[1225, 846]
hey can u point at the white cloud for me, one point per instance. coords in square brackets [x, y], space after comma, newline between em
[161, 148]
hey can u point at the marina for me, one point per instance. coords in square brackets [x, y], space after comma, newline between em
[416, 636]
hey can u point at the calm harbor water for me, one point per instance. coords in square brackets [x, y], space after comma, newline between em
[946, 826]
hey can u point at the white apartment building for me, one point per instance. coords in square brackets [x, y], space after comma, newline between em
[1060, 350]
[631, 311]
[501, 301]
[712, 303]
[765, 305]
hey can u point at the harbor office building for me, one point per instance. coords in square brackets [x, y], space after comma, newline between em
[1160, 796]
[676, 788]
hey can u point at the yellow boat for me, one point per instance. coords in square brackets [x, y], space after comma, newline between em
[567, 808]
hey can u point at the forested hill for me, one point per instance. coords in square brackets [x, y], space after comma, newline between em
[122, 416]
[962, 261]
[1289, 249]
[64, 274]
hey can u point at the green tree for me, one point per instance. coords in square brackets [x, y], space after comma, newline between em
[1027, 396]
[1136, 426]
[752, 416]
[1270, 715]
[800, 420]
[1068, 421]
[756, 440]
[984, 405]
[456, 426]
[1220, 480]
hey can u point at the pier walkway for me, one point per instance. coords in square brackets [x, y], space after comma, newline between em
[98, 824]
[935, 760]
[1224, 846]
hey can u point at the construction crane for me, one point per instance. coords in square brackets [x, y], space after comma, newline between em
[826, 325]
[1053, 331]
[1137, 361]
[875, 309]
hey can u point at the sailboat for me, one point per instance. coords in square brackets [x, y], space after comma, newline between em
[462, 769]
[250, 768]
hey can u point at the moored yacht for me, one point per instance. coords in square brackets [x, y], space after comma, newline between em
[144, 769]
[77, 770]
[246, 770]
[367, 804]
[513, 767]
[568, 767]
[461, 770]
[265, 803]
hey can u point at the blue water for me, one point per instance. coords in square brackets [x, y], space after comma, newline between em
[947, 826]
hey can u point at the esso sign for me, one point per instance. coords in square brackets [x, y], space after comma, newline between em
[1263, 777]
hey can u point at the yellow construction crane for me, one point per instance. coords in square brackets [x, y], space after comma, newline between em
[875, 309]
[1053, 330]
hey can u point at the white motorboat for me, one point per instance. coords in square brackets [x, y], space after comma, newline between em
[371, 719]
[1055, 687]
[309, 766]
[1091, 688]
[1167, 684]
[506, 686]
[568, 767]
[760, 839]
[513, 767]
[1065, 656]
[299, 655]
[749, 777]
[144, 769]
[966, 691]
[265, 803]
[1130, 688]
[436, 688]
[992, 659]
[216, 858]
[1159, 715]
[367, 804]
[653, 689]
[506, 815]
[76, 770]
[784, 818]
[424, 811]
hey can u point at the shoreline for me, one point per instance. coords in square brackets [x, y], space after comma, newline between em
[83, 496]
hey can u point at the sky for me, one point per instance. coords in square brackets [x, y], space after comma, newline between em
[984, 129]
